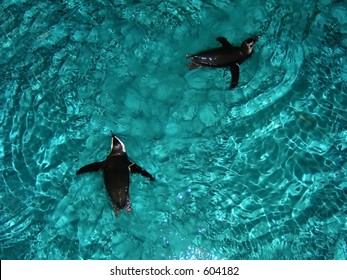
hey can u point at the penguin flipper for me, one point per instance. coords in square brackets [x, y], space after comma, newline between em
[225, 43]
[235, 74]
[134, 168]
[92, 167]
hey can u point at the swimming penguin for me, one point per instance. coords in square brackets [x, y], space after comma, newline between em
[225, 56]
[116, 170]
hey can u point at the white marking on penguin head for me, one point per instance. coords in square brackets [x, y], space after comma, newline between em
[248, 45]
[117, 145]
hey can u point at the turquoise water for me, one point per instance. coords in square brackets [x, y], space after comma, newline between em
[258, 172]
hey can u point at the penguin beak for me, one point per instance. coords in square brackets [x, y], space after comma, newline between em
[254, 39]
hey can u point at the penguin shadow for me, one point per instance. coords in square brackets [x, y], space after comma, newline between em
[309, 125]
[304, 118]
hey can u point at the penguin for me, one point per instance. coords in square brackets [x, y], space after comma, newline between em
[225, 56]
[116, 170]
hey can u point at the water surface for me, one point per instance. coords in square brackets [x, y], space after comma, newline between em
[258, 172]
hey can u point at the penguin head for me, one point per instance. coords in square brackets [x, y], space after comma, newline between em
[117, 146]
[247, 45]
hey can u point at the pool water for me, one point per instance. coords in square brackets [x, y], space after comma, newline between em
[256, 172]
